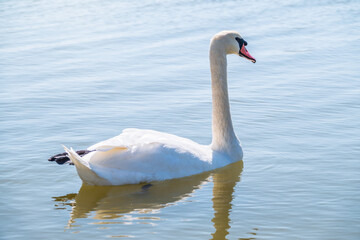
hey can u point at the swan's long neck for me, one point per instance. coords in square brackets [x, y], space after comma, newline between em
[224, 138]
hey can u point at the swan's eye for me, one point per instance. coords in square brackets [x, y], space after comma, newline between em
[241, 42]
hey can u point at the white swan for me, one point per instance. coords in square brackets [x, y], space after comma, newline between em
[137, 156]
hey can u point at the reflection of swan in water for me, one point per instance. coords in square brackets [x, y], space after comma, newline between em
[224, 183]
[111, 202]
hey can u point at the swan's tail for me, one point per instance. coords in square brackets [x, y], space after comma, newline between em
[84, 169]
[62, 158]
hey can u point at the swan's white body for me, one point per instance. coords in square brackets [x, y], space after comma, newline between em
[137, 156]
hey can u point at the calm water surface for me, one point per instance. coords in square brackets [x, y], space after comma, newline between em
[78, 72]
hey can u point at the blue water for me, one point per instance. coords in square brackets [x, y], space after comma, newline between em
[78, 72]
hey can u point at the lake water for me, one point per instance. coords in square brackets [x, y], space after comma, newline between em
[78, 72]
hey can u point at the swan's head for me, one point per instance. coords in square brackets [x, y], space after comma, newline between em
[231, 43]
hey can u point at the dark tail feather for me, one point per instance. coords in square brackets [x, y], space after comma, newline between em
[62, 158]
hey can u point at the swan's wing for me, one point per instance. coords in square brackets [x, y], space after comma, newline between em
[131, 137]
[127, 138]
[144, 155]
[132, 143]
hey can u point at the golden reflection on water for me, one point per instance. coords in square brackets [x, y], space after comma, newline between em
[114, 202]
[223, 192]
